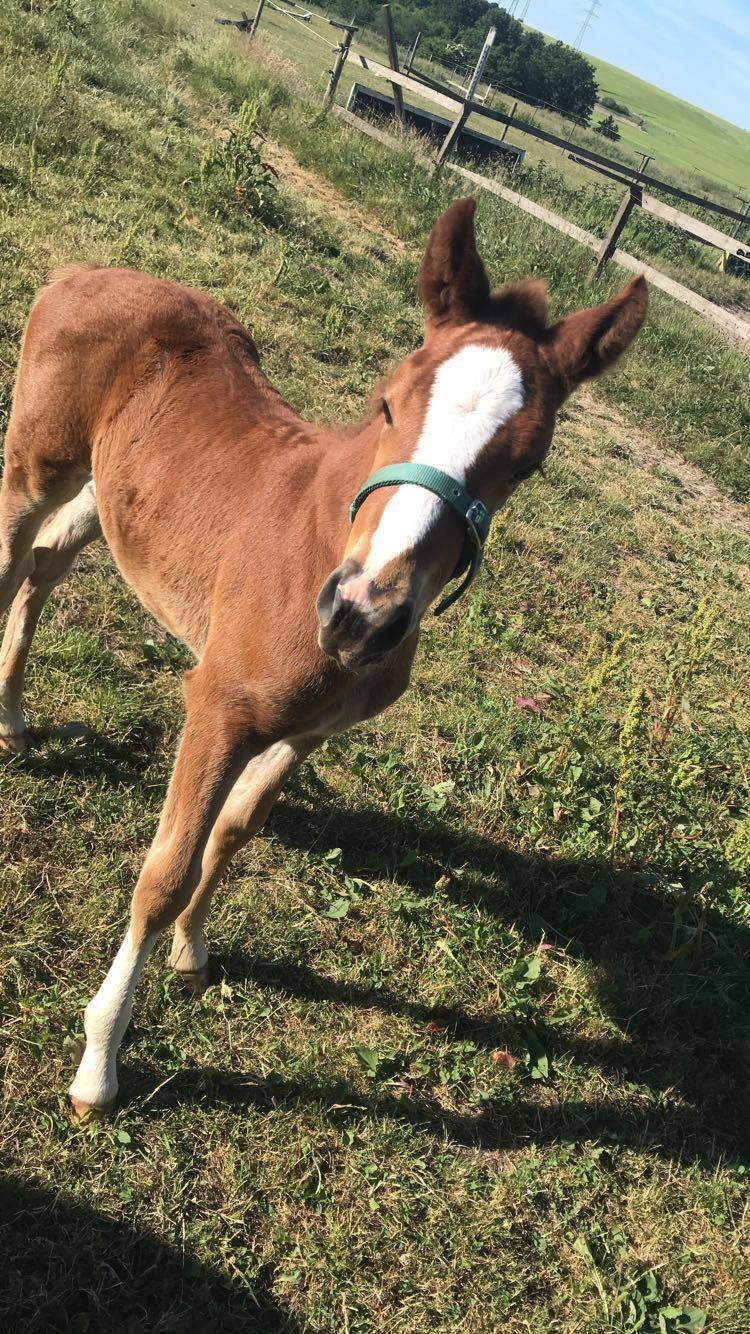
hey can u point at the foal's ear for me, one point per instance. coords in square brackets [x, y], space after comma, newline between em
[452, 280]
[586, 343]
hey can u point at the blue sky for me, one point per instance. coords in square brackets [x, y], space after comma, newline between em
[698, 49]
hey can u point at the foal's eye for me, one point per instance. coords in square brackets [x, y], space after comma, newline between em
[523, 473]
[386, 411]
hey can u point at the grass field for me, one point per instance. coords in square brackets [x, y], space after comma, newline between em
[678, 135]
[476, 1056]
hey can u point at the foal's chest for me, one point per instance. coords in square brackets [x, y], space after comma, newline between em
[359, 696]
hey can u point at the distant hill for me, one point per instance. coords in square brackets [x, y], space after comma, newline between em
[677, 133]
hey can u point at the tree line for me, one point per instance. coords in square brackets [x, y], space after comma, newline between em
[521, 59]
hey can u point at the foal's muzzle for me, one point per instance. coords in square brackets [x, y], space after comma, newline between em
[359, 622]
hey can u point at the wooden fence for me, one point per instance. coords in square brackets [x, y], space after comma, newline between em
[738, 330]
[629, 177]
[701, 231]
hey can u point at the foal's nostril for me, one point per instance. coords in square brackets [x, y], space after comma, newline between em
[360, 626]
[336, 605]
[389, 636]
[330, 604]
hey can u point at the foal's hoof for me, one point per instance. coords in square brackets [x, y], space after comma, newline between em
[82, 1113]
[196, 983]
[16, 743]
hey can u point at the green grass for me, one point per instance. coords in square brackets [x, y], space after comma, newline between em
[681, 136]
[471, 1063]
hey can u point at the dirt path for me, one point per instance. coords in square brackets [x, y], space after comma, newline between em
[647, 453]
[312, 186]
[697, 486]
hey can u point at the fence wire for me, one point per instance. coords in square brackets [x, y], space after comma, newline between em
[307, 25]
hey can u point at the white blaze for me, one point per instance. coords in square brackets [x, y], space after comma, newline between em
[474, 393]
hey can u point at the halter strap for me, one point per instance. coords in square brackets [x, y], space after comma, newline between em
[472, 514]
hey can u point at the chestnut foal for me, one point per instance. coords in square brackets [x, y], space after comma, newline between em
[230, 516]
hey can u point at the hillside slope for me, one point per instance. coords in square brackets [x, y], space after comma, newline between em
[677, 133]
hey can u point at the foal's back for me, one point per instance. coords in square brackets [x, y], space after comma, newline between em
[154, 389]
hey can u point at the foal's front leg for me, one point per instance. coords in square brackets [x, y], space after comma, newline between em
[215, 747]
[245, 810]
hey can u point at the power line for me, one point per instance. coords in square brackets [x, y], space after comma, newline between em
[588, 19]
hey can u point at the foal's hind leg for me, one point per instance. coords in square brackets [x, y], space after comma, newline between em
[22, 511]
[245, 810]
[47, 453]
[53, 553]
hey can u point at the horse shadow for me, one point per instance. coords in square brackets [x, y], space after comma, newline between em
[65, 1266]
[673, 978]
[58, 750]
[679, 1054]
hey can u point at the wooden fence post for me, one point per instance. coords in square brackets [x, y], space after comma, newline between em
[256, 19]
[513, 111]
[342, 51]
[449, 142]
[412, 53]
[398, 97]
[242, 25]
[607, 248]
[746, 210]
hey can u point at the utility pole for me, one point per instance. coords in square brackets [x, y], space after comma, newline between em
[588, 19]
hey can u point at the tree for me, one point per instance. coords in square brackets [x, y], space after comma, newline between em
[521, 60]
[608, 127]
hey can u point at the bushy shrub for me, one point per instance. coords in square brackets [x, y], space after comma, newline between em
[612, 104]
[608, 128]
[233, 172]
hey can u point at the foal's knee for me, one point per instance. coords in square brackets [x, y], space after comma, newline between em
[164, 890]
[228, 837]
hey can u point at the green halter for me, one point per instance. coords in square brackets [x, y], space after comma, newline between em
[472, 514]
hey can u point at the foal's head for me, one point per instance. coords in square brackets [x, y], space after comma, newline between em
[478, 402]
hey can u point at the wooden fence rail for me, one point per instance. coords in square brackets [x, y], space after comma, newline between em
[732, 326]
[703, 231]
[445, 97]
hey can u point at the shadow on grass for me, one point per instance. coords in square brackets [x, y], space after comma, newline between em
[75, 748]
[515, 1122]
[66, 1267]
[675, 1082]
